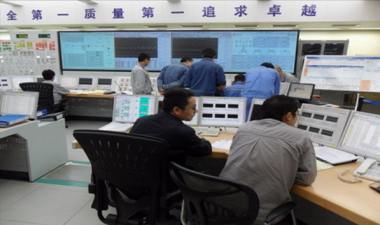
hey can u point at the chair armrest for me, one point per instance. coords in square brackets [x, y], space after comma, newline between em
[279, 213]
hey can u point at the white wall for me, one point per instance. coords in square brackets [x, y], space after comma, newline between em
[360, 42]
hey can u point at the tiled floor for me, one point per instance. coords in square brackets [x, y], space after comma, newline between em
[25, 203]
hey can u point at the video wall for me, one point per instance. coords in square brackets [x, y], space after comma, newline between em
[237, 51]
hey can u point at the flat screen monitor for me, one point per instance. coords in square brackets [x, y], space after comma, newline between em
[193, 122]
[301, 91]
[85, 81]
[26, 103]
[104, 81]
[128, 108]
[361, 136]
[222, 111]
[237, 51]
[255, 110]
[325, 125]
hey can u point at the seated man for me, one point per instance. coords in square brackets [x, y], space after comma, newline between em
[271, 155]
[58, 90]
[236, 87]
[179, 104]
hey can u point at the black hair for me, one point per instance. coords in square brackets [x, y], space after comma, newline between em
[278, 106]
[143, 56]
[239, 77]
[48, 74]
[176, 97]
[209, 53]
[267, 65]
[186, 59]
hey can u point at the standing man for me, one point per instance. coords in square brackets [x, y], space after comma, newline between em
[173, 75]
[206, 77]
[236, 87]
[141, 84]
[271, 155]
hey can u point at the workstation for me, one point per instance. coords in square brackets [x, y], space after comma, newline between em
[93, 47]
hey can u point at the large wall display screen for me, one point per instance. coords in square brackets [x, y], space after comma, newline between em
[237, 51]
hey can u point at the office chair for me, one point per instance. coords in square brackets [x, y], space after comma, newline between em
[129, 173]
[45, 99]
[210, 200]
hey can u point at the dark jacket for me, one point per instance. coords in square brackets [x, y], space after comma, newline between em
[182, 139]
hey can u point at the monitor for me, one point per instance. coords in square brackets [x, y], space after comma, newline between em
[361, 136]
[255, 110]
[40, 79]
[5, 84]
[301, 91]
[193, 122]
[84, 83]
[222, 111]
[128, 108]
[16, 81]
[26, 103]
[284, 88]
[325, 125]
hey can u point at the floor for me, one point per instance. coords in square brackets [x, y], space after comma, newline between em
[59, 198]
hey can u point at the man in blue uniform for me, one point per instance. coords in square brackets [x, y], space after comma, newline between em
[237, 86]
[206, 77]
[173, 75]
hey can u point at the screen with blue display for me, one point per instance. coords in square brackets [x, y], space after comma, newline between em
[237, 51]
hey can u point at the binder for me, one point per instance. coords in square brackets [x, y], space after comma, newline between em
[11, 119]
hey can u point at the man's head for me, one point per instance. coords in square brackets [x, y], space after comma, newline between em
[209, 53]
[180, 103]
[144, 59]
[239, 77]
[282, 108]
[48, 74]
[267, 65]
[187, 61]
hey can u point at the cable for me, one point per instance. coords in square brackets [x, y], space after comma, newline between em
[347, 177]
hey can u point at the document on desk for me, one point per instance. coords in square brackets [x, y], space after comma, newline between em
[322, 165]
[333, 156]
[222, 144]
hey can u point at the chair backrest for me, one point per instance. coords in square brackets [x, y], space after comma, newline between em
[211, 200]
[45, 99]
[134, 164]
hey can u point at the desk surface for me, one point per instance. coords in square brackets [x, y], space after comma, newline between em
[355, 202]
[89, 95]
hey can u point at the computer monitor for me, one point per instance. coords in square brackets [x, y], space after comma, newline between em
[104, 83]
[85, 83]
[26, 103]
[361, 136]
[193, 122]
[255, 110]
[40, 79]
[284, 88]
[16, 81]
[301, 91]
[5, 84]
[325, 125]
[222, 111]
[128, 108]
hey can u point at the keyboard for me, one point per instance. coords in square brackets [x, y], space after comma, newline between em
[333, 156]
[207, 131]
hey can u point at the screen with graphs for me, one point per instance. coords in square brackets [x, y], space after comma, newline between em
[237, 51]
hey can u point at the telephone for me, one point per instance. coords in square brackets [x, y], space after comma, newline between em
[369, 169]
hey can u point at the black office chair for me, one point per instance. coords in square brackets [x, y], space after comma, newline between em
[45, 99]
[129, 172]
[210, 200]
